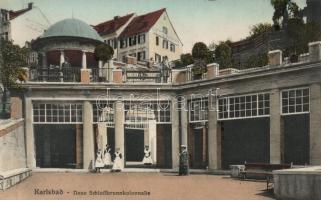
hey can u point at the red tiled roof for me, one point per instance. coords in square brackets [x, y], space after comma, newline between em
[113, 25]
[14, 14]
[142, 23]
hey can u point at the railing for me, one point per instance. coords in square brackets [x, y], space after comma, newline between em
[101, 74]
[55, 74]
[155, 76]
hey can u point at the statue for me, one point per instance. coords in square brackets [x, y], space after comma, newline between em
[99, 161]
[118, 163]
[107, 157]
[183, 161]
[147, 160]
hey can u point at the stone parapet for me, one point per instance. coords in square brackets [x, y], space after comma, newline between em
[275, 58]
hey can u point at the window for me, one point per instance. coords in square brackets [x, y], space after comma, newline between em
[157, 40]
[165, 44]
[165, 30]
[172, 48]
[198, 110]
[132, 41]
[141, 56]
[103, 112]
[141, 39]
[57, 113]
[115, 43]
[246, 106]
[123, 43]
[158, 58]
[295, 101]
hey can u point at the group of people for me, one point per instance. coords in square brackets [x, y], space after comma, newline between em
[104, 160]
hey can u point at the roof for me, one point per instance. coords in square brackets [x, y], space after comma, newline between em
[14, 14]
[142, 23]
[113, 25]
[71, 28]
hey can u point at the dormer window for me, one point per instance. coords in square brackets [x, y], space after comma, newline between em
[164, 30]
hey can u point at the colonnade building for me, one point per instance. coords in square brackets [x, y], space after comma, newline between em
[72, 106]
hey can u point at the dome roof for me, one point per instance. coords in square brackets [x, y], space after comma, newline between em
[71, 28]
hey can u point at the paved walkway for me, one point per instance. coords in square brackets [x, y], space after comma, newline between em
[85, 186]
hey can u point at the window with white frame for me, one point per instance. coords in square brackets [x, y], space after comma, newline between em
[245, 106]
[57, 112]
[198, 110]
[103, 112]
[141, 112]
[295, 101]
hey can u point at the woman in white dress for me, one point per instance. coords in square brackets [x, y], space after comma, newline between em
[99, 161]
[147, 160]
[118, 163]
[107, 157]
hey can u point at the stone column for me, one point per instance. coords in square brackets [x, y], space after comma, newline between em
[30, 140]
[44, 60]
[88, 136]
[119, 128]
[315, 124]
[152, 139]
[62, 57]
[79, 146]
[315, 51]
[184, 123]
[175, 133]
[275, 128]
[214, 136]
[102, 130]
[84, 60]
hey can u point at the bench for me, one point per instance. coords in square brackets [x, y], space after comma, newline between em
[12, 177]
[262, 171]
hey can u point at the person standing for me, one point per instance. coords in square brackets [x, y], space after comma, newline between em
[147, 160]
[118, 162]
[107, 157]
[99, 161]
[183, 161]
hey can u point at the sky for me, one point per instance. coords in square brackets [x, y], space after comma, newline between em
[194, 20]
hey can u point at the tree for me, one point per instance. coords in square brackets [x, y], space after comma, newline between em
[223, 54]
[12, 60]
[104, 52]
[202, 56]
[260, 29]
[187, 59]
[283, 9]
[200, 51]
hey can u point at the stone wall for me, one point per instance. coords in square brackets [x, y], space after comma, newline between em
[12, 145]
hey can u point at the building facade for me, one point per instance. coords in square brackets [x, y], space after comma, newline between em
[269, 114]
[23, 25]
[148, 37]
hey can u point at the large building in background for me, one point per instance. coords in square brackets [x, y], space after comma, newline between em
[23, 25]
[148, 37]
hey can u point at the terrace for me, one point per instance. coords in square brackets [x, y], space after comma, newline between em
[133, 72]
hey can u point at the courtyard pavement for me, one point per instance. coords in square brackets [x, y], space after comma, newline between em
[144, 186]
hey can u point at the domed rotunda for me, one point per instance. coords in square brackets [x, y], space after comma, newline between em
[67, 51]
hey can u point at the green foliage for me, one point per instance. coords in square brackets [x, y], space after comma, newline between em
[223, 54]
[187, 59]
[104, 52]
[13, 59]
[258, 60]
[300, 34]
[260, 29]
[283, 9]
[200, 51]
